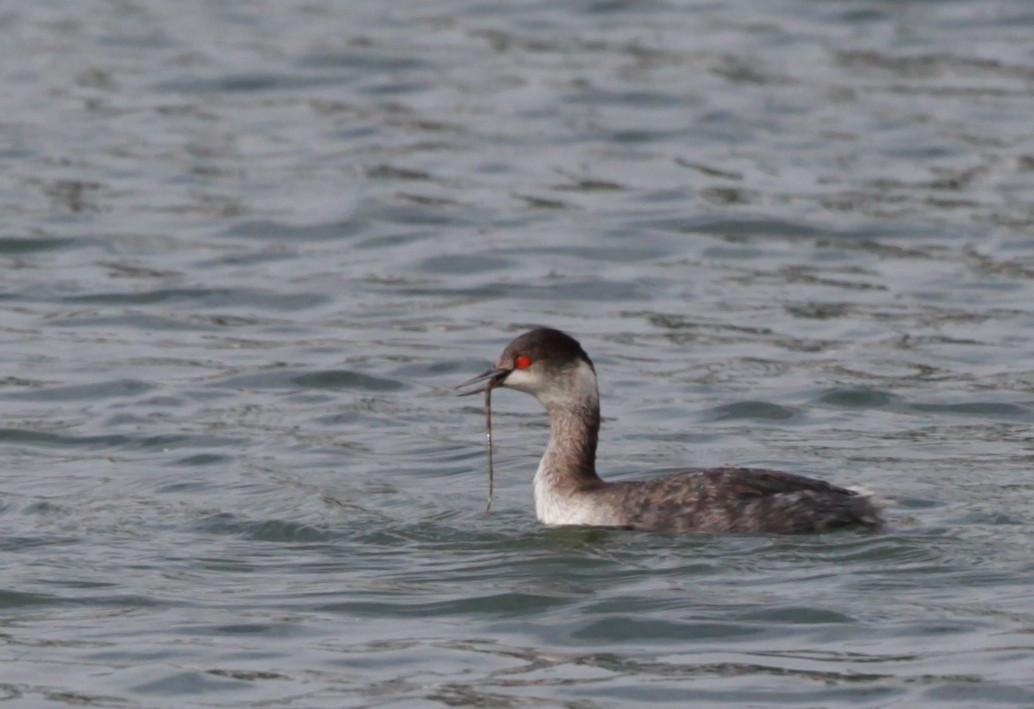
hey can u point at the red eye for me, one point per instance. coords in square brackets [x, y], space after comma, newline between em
[522, 361]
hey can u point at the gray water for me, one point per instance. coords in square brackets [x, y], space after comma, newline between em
[248, 248]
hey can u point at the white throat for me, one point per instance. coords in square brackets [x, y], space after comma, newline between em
[572, 401]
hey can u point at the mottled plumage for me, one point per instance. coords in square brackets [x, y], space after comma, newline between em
[554, 368]
[737, 500]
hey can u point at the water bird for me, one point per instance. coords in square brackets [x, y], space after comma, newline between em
[552, 366]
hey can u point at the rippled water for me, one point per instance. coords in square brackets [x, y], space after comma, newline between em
[248, 248]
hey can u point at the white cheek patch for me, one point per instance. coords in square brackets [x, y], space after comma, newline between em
[523, 380]
[575, 386]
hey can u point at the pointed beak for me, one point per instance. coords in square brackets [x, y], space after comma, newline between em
[492, 379]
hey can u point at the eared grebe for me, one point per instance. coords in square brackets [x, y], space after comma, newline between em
[553, 367]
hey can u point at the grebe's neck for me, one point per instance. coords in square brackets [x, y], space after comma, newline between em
[570, 456]
[568, 466]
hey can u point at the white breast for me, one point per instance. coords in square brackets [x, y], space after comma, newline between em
[555, 509]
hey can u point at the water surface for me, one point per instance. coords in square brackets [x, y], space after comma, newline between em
[248, 249]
